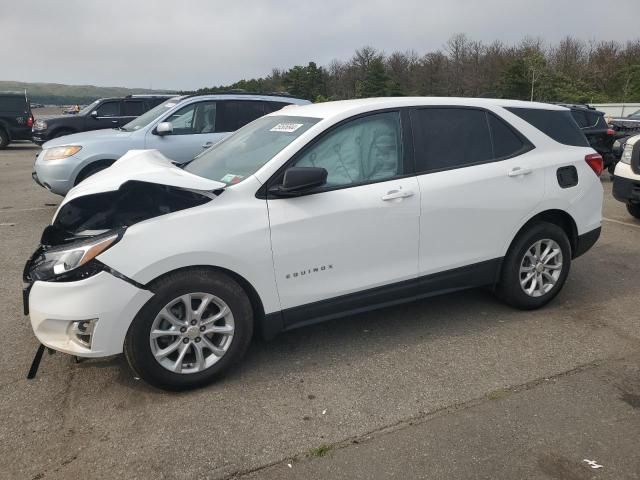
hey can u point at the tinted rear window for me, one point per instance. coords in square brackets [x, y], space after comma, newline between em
[235, 114]
[557, 124]
[13, 104]
[450, 138]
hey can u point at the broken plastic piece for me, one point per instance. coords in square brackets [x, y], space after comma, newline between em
[36, 363]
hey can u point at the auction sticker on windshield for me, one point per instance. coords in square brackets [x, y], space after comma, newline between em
[286, 127]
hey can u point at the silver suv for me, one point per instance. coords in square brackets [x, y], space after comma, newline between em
[180, 128]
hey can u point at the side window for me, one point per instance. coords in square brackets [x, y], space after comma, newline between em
[506, 142]
[446, 138]
[193, 119]
[363, 150]
[594, 118]
[235, 114]
[557, 124]
[109, 109]
[132, 108]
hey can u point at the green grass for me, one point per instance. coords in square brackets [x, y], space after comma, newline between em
[320, 451]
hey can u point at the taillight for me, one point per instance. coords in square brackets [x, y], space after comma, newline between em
[594, 160]
[30, 121]
[611, 131]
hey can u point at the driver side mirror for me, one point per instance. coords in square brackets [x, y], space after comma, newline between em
[94, 114]
[164, 128]
[298, 180]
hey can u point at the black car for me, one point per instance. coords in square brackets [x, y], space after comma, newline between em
[595, 128]
[103, 113]
[16, 119]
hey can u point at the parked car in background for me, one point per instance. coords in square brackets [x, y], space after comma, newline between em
[180, 128]
[626, 180]
[594, 126]
[103, 113]
[16, 118]
[37, 105]
[307, 214]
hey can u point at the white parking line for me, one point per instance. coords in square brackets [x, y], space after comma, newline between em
[619, 222]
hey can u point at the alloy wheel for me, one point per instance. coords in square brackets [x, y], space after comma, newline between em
[191, 333]
[540, 267]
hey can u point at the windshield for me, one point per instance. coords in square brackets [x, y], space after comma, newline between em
[246, 151]
[635, 114]
[89, 108]
[148, 117]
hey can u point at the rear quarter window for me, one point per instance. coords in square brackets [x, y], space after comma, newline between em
[557, 124]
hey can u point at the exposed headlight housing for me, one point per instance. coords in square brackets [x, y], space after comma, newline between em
[58, 153]
[626, 154]
[59, 262]
[40, 125]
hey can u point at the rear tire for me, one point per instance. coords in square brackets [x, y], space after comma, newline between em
[4, 139]
[199, 356]
[535, 267]
[634, 209]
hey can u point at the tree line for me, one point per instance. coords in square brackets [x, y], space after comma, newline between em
[570, 71]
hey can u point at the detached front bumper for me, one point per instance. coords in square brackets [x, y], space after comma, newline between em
[107, 302]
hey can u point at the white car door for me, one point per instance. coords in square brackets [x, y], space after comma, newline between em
[357, 233]
[479, 178]
[194, 130]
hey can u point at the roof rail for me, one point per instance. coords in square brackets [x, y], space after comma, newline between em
[240, 91]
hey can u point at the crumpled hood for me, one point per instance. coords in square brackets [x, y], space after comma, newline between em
[148, 166]
[82, 138]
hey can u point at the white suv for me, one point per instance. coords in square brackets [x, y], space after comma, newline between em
[626, 179]
[312, 213]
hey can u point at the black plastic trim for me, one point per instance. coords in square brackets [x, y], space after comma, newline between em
[626, 190]
[471, 276]
[586, 241]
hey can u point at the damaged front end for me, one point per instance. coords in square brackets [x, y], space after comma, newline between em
[94, 217]
[88, 225]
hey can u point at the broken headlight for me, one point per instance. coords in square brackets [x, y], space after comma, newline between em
[50, 263]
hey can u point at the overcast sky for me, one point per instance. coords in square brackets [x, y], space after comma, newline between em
[188, 44]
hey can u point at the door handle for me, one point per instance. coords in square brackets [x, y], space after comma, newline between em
[395, 194]
[207, 144]
[517, 172]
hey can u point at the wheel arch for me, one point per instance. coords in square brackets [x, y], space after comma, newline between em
[69, 131]
[557, 217]
[259, 317]
[91, 165]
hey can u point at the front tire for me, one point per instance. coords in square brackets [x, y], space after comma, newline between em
[191, 331]
[634, 209]
[535, 267]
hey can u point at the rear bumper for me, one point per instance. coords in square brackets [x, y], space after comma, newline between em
[626, 190]
[586, 241]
